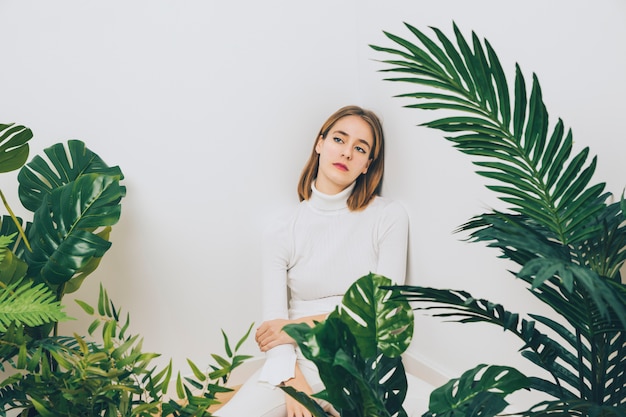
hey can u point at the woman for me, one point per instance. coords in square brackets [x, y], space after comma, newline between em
[340, 231]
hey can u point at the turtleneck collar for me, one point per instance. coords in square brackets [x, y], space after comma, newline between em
[327, 202]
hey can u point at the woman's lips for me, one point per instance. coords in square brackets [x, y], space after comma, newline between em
[340, 166]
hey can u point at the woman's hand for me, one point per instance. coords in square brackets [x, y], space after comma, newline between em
[294, 408]
[298, 382]
[270, 334]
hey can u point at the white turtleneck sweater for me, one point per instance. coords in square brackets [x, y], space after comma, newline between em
[312, 257]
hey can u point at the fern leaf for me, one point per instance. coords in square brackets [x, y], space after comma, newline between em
[23, 303]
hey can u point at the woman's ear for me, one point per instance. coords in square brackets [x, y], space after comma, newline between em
[369, 161]
[318, 145]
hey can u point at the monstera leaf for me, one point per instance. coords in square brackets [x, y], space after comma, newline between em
[357, 350]
[378, 323]
[39, 178]
[62, 232]
[13, 146]
[478, 392]
[75, 198]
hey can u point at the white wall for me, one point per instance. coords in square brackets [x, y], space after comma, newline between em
[210, 108]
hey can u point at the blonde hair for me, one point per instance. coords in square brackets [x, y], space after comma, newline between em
[367, 185]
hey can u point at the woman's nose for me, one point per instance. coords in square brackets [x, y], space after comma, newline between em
[347, 153]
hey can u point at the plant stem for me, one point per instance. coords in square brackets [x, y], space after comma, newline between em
[17, 223]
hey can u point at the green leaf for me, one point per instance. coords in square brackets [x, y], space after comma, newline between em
[483, 75]
[579, 185]
[438, 106]
[93, 326]
[417, 52]
[61, 233]
[502, 87]
[196, 371]
[25, 303]
[470, 63]
[244, 337]
[570, 173]
[573, 408]
[12, 268]
[519, 109]
[77, 280]
[443, 97]
[108, 333]
[379, 323]
[549, 152]
[21, 357]
[439, 54]
[479, 391]
[512, 170]
[161, 380]
[458, 62]
[86, 307]
[42, 410]
[310, 404]
[180, 392]
[220, 360]
[227, 348]
[13, 146]
[537, 123]
[419, 80]
[65, 164]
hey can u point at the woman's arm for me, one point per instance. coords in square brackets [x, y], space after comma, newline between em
[392, 244]
[271, 334]
[280, 358]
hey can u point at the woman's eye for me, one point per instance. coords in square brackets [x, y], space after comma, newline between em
[338, 140]
[359, 149]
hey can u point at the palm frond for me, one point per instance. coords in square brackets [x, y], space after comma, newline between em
[574, 408]
[461, 307]
[538, 164]
[557, 224]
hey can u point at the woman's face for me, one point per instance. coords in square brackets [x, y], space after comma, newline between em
[344, 154]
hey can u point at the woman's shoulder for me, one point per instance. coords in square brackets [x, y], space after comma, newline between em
[282, 219]
[387, 206]
[389, 215]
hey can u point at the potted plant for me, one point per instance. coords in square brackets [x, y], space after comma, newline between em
[75, 199]
[23, 301]
[568, 239]
[66, 376]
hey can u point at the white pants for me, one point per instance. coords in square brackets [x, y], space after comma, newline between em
[255, 399]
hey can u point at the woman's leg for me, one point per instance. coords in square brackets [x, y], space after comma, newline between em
[260, 400]
[254, 399]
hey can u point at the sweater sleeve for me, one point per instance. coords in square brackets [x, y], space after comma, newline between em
[280, 361]
[392, 241]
